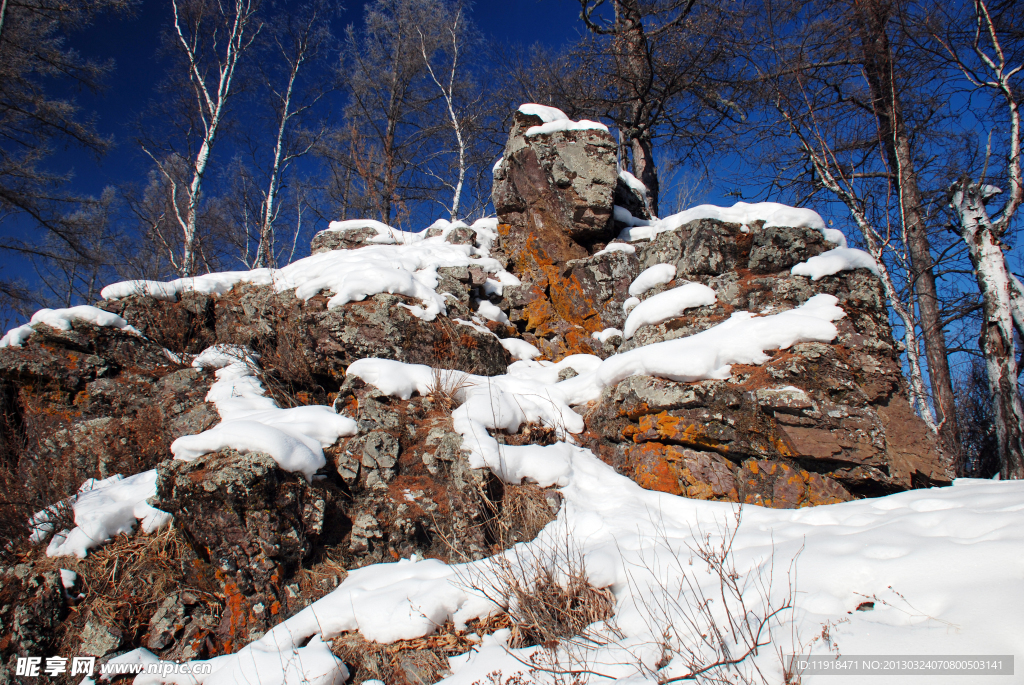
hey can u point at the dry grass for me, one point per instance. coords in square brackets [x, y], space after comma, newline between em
[547, 604]
[321, 577]
[126, 580]
[548, 596]
[446, 385]
[373, 661]
[516, 513]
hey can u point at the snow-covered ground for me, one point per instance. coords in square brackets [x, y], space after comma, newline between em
[943, 567]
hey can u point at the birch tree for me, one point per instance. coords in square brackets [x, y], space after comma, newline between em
[865, 123]
[447, 84]
[210, 39]
[298, 42]
[982, 60]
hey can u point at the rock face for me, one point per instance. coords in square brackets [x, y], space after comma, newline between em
[92, 402]
[31, 610]
[816, 424]
[554, 197]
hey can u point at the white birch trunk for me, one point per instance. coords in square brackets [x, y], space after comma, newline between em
[211, 107]
[997, 344]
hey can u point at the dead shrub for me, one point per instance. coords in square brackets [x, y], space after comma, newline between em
[30, 483]
[547, 595]
[173, 325]
[445, 387]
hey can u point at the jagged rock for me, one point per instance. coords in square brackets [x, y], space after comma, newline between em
[254, 519]
[556, 186]
[775, 248]
[32, 606]
[554, 196]
[168, 622]
[99, 640]
[604, 281]
[93, 402]
[310, 344]
[255, 523]
[711, 248]
[347, 239]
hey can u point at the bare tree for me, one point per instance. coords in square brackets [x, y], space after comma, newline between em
[860, 135]
[34, 58]
[655, 62]
[299, 42]
[448, 84]
[385, 136]
[211, 39]
[872, 19]
[979, 54]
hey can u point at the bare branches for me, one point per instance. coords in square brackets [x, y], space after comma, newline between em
[212, 38]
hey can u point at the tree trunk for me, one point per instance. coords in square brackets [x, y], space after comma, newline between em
[995, 283]
[633, 51]
[644, 169]
[871, 17]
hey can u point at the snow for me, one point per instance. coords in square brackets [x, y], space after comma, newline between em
[556, 120]
[520, 349]
[743, 338]
[490, 311]
[951, 554]
[659, 274]
[62, 320]
[386, 235]
[606, 334]
[616, 247]
[666, 305]
[630, 303]
[103, 509]
[68, 578]
[743, 213]
[622, 215]
[252, 422]
[545, 113]
[834, 261]
[633, 182]
[404, 263]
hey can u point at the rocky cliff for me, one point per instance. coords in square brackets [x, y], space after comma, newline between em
[573, 279]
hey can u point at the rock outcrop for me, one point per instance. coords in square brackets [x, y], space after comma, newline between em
[554, 193]
[816, 423]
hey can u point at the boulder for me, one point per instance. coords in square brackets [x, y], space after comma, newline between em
[554, 197]
[343, 239]
[255, 523]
